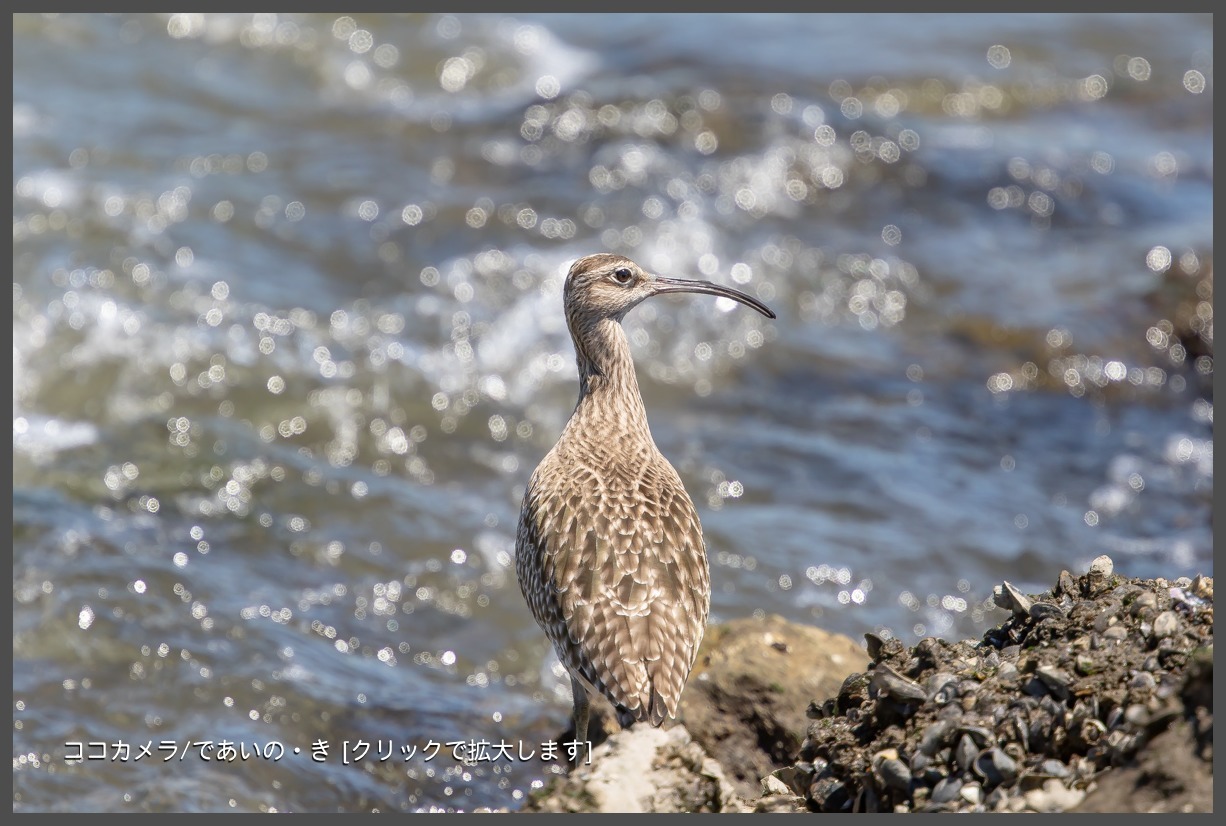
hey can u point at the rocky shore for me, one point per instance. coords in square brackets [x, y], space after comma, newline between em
[1093, 696]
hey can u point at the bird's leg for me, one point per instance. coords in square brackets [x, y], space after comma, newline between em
[582, 706]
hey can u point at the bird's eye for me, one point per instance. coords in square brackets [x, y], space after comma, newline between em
[622, 275]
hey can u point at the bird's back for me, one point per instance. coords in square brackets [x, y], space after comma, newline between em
[611, 560]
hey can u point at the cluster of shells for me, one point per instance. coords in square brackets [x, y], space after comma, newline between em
[1074, 682]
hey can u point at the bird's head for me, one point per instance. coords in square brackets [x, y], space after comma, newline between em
[609, 286]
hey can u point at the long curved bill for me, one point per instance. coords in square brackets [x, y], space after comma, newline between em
[663, 284]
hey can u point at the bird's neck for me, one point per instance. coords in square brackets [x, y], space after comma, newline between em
[608, 387]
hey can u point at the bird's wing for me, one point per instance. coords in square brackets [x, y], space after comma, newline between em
[627, 602]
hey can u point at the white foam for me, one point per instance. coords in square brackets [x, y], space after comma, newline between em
[41, 436]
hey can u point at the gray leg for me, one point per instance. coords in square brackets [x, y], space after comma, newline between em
[582, 706]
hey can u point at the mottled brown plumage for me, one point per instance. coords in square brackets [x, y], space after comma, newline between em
[609, 551]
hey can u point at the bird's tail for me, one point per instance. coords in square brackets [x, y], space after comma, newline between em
[655, 712]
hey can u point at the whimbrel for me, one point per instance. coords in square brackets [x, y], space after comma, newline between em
[609, 551]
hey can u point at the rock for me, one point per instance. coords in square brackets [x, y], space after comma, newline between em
[795, 779]
[894, 773]
[642, 769]
[966, 753]
[746, 698]
[1041, 610]
[1101, 567]
[1054, 796]
[995, 767]
[972, 793]
[1165, 625]
[783, 791]
[1046, 705]
[1172, 772]
[947, 790]
[1055, 679]
[1012, 599]
[778, 804]
[773, 785]
[888, 681]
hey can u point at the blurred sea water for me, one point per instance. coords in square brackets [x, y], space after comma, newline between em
[288, 341]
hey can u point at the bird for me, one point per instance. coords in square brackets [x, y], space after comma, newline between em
[609, 551]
